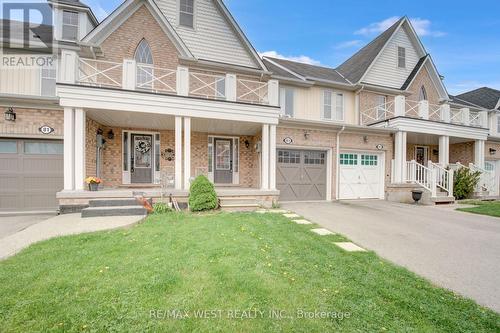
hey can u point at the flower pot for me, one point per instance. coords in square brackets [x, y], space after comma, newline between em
[93, 187]
[417, 195]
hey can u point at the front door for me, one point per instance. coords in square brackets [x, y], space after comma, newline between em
[421, 155]
[141, 171]
[223, 171]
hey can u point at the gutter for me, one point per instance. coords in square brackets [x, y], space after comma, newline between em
[337, 165]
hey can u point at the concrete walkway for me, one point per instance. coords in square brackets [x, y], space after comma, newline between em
[11, 224]
[456, 250]
[61, 226]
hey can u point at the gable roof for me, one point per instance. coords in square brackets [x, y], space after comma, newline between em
[279, 70]
[123, 12]
[454, 100]
[356, 66]
[306, 71]
[485, 97]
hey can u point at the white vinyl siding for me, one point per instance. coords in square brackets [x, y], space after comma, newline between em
[213, 37]
[70, 26]
[385, 70]
[287, 101]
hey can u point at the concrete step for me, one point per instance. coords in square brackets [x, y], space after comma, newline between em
[240, 207]
[237, 201]
[112, 202]
[114, 211]
[440, 200]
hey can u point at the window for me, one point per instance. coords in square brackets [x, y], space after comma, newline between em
[220, 88]
[339, 107]
[288, 156]
[157, 152]
[186, 13]
[327, 104]
[348, 159]
[381, 107]
[70, 26]
[370, 160]
[125, 151]
[8, 147]
[236, 159]
[43, 148]
[48, 86]
[401, 57]
[287, 101]
[317, 158]
[210, 154]
[144, 58]
[423, 94]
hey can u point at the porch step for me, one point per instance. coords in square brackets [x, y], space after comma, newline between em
[239, 203]
[441, 200]
[114, 211]
[113, 202]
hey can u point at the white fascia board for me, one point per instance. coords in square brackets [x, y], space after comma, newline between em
[76, 8]
[435, 128]
[125, 100]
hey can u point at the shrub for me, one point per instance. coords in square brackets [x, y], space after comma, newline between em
[465, 183]
[202, 195]
[161, 208]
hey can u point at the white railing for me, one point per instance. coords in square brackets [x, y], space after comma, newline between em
[156, 79]
[211, 86]
[250, 91]
[99, 73]
[421, 175]
[435, 112]
[378, 113]
[487, 180]
[412, 109]
[443, 177]
[474, 119]
[456, 116]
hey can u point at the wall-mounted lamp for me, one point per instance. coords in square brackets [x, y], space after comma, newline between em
[306, 135]
[10, 115]
[435, 152]
[247, 144]
[493, 151]
[111, 134]
[365, 139]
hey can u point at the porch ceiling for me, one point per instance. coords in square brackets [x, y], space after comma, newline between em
[166, 122]
[431, 139]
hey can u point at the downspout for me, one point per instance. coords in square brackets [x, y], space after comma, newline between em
[337, 165]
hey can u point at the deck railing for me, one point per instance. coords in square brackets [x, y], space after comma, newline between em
[378, 113]
[156, 79]
[99, 73]
[251, 91]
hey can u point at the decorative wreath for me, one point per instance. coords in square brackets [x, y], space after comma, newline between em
[143, 146]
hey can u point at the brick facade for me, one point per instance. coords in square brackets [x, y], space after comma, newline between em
[29, 121]
[462, 152]
[368, 101]
[423, 79]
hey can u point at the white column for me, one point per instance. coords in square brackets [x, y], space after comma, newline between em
[69, 144]
[479, 147]
[399, 106]
[446, 113]
[273, 92]
[399, 157]
[182, 83]
[129, 74]
[444, 150]
[79, 149]
[178, 153]
[231, 84]
[423, 109]
[187, 152]
[465, 116]
[69, 65]
[264, 184]
[272, 157]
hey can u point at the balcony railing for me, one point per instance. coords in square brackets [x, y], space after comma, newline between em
[129, 75]
[401, 107]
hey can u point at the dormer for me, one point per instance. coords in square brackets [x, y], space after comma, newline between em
[73, 20]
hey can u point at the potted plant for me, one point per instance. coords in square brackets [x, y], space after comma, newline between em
[93, 183]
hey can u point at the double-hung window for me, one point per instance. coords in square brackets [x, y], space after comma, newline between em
[287, 96]
[333, 105]
[401, 57]
[48, 81]
[186, 13]
[70, 26]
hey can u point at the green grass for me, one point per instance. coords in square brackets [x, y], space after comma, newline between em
[111, 281]
[490, 208]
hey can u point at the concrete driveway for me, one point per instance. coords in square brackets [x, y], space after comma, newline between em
[10, 225]
[455, 250]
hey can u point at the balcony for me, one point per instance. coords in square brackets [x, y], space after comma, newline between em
[184, 81]
[400, 107]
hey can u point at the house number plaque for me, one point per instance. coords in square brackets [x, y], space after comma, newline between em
[46, 129]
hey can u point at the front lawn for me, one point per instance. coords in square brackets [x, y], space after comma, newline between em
[160, 275]
[491, 208]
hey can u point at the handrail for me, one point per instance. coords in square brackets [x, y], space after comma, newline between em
[419, 174]
[444, 177]
[487, 180]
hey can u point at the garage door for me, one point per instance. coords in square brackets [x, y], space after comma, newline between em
[361, 175]
[31, 173]
[301, 175]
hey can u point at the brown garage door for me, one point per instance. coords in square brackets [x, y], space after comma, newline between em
[31, 173]
[301, 175]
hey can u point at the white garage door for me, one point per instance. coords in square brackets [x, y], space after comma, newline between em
[361, 175]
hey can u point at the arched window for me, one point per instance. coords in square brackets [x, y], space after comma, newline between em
[423, 94]
[144, 58]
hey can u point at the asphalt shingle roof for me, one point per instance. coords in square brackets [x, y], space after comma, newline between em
[414, 72]
[356, 66]
[72, 3]
[311, 72]
[485, 97]
[278, 71]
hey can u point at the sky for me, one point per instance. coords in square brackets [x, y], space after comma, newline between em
[463, 37]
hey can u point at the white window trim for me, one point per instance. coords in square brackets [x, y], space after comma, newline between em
[323, 105]
[283, 101]
[179, 16]
[343, 105]
[77, 26]
[397, 57]
[333, 106]
[126, 175]
[211, 141]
